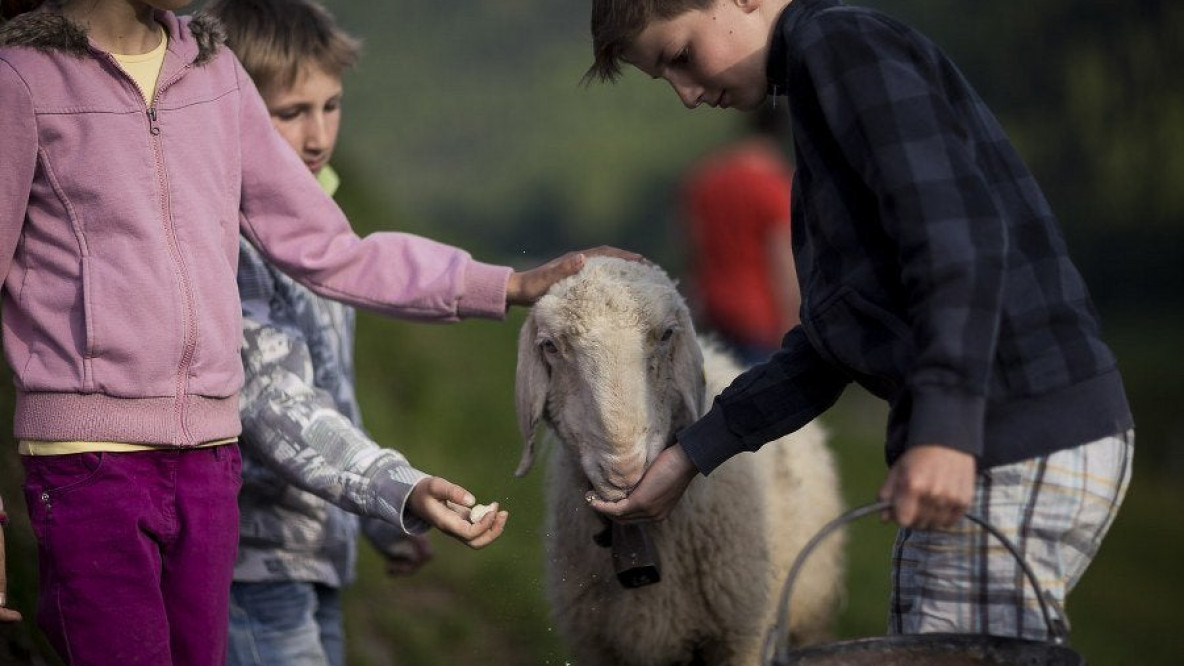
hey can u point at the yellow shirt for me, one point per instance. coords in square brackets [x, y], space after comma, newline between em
[30, 447]
[145, 69]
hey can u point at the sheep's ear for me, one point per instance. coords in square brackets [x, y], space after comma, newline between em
[688, 368]
[531, 380]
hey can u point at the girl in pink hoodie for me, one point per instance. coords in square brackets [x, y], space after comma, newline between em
[136, 150]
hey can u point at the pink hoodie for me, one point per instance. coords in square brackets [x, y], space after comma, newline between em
[119, 226]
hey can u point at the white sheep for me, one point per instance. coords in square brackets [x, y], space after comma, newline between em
[610, 362]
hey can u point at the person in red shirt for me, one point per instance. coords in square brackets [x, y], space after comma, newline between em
[736, 206]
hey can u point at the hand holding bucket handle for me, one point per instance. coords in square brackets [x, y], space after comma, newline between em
[777, 641]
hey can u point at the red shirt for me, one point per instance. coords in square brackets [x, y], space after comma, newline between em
[734, 202]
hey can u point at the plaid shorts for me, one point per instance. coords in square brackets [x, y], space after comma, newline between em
[1054, 508]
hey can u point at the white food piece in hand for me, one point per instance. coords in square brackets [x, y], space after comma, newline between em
[479, 510]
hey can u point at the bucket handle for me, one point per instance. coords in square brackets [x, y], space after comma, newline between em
[777, 642]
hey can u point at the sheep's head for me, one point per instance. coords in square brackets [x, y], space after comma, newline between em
[609, 359]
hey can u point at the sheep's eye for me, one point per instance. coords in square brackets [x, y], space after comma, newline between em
[548, 347]
[667, 334]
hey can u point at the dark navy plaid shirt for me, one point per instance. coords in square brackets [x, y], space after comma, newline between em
[931, 266]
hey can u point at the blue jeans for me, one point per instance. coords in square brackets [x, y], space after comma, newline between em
[289, 623]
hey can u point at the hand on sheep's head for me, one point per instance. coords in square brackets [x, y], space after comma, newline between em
[434, 499]
[526, 287]
[657, 493]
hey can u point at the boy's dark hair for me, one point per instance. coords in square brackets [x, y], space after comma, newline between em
[616, 23]
[276, 40]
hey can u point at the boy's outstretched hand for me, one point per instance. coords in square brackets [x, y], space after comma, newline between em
[656, 494]
[526, 287]
[434, 499]
[930, 487]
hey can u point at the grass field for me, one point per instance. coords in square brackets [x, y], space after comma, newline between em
[444, 394]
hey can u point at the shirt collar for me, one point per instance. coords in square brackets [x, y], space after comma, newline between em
[328, 179]
[791, 17]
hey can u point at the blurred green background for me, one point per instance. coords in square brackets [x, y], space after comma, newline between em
[466, 122]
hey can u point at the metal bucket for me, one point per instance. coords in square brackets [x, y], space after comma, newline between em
[938, 649]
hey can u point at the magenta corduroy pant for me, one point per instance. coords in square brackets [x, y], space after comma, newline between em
[136, 553]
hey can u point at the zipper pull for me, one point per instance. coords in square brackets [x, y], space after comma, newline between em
[152, 126]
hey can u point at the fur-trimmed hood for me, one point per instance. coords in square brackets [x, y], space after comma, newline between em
[196, 38]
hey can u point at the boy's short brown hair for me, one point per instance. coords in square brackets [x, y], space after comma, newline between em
[616, 23]
[276, 40]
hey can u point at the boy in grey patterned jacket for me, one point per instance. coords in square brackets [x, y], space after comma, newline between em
[308, 466]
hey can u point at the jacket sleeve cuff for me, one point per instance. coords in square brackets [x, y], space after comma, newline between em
[948, 419]
[485, 291]
[392, 488]
[708, 442]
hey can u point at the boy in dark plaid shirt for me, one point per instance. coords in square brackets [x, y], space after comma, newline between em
[932, 274]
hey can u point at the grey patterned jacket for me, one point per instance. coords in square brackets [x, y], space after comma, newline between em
[308, 466]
